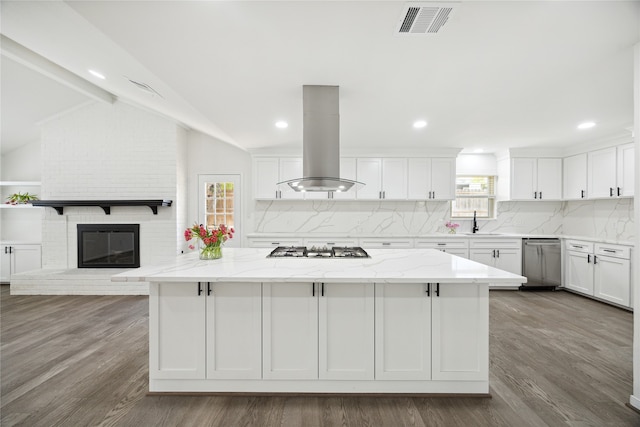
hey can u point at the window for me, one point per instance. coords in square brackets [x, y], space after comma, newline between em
[474, 193]
[219, 203]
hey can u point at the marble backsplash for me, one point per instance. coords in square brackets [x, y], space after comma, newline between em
[607, 219]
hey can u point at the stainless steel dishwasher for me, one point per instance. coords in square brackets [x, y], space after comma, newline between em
[541, 263]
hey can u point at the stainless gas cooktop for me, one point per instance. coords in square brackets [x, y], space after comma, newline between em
[318, 252]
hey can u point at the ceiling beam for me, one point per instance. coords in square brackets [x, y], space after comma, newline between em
[36, 62]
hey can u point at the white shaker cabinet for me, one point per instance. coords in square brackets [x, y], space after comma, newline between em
[266, 174]
[536, 179]
[177, 331]
[579, 267]
[625, 170]
[575, 177]
[234, 330]
[318, 330]
[421, 333]
[346, 331]
[459, 343]
[612, 274]
[290, 331]
[431, 178]
[505, 254]
[384, 178]
[611, 172]
[205, 330]
[18, 258]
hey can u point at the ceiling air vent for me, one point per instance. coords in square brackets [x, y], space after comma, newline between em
[424, 18]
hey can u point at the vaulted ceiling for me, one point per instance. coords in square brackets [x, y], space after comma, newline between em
[497, 75]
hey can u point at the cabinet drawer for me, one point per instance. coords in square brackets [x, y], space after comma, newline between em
[579, 246]
[615, 251]
[442, 244]
[484, 243]
[381, 243]
[273, 242]
[330, 243]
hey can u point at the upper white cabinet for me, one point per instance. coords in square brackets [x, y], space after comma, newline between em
[431, 178]
[610, 172]
[536, 178]
[268, 171]
[384, 178]
[575, 177]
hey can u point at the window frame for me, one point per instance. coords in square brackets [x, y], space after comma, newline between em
[490, 197]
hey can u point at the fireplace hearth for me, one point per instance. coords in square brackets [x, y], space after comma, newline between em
[108, 245]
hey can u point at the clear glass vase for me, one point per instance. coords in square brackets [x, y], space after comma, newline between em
[211, 252]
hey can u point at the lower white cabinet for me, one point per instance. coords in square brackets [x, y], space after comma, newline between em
[600, 270]
[432, 332]
[19, 258]
[205, 330]
[453, 246]
[505, 254]
[318, 330]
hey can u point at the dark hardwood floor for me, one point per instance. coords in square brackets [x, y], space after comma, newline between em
[557, 359]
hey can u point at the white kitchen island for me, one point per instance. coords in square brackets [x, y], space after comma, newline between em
[402, 321]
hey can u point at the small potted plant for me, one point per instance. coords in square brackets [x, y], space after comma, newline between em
[20, 198]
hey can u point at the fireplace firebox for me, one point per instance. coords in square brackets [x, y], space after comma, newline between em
[108, 245]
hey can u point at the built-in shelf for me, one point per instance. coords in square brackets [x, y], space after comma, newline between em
[106, 205]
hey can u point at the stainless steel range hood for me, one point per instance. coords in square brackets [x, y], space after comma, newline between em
[320, 143]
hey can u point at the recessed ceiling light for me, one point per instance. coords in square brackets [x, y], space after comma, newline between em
[419, 124]
[586, 125]
[94, 73]
[282, 124]
[478, 150]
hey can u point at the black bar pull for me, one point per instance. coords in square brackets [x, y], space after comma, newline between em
[498, 253]
[322, 291]
[588, 259]
[199, 288]
[610, 191]
[494, 253]
[428, 289]
[595, 260]
[437, 289]
[10, 249]
[541, 195]
[434, 194]
[313, 289]
[208, 288]
[535, 194]
[582, 194]
[618, 191]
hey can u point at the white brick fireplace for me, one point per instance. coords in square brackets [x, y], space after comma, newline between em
[107, 152]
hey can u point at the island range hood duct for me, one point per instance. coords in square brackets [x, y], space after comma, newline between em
[320, 143]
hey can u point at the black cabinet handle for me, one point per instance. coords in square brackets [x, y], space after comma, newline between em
[535, 194]
[494, 253]
[498, 253]
[428, 289]
[208, 288]
[595, 260]
[540, 195]
[437, 289]
[199, 288]
[434, 194]
[588, 259]
[322, 291]
[582, 194]
[618, 191]
[313, 289]
[610, 191]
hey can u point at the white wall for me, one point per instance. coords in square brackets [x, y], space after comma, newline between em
[105, 151]
[208, 155]
[21, 164]
[635, 397]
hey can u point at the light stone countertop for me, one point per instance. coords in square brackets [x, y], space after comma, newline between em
[480, 235]
[384, 266]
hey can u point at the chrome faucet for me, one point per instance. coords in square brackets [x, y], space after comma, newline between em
[475, 223]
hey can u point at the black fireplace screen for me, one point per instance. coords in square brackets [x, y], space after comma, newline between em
[108, 245]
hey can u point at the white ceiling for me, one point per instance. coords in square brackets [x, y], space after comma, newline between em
[498, 75]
